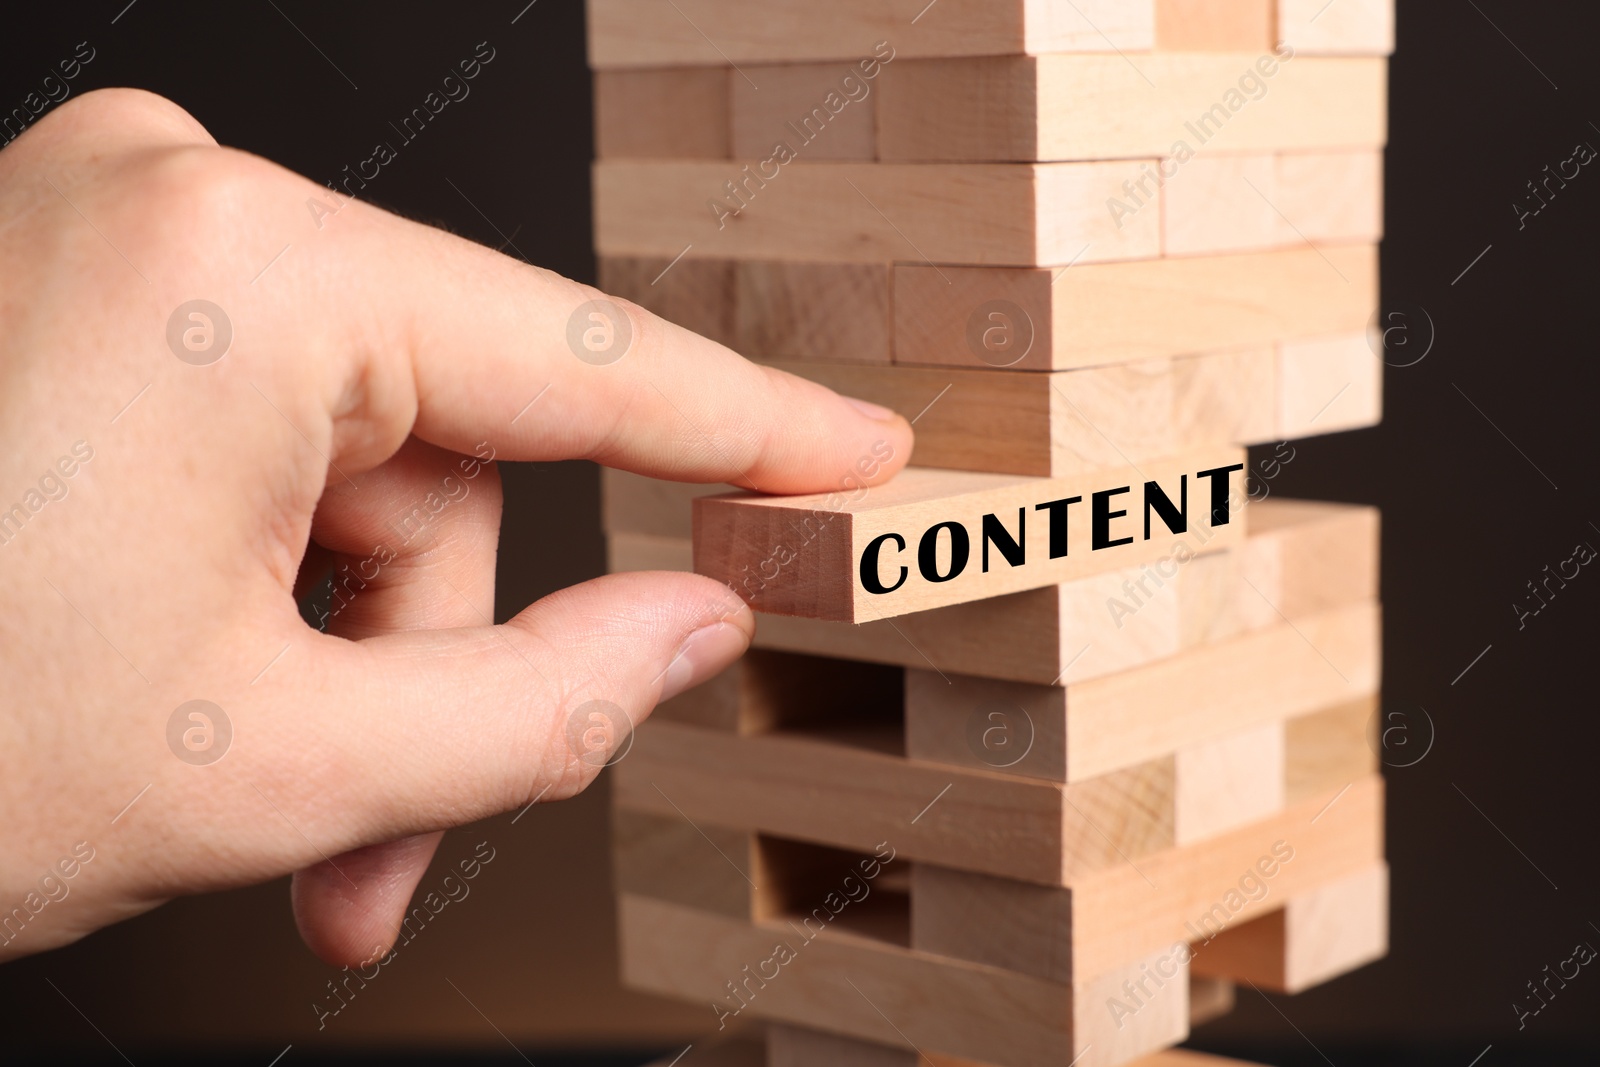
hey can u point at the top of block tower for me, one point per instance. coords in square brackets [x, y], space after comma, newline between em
[659, 33]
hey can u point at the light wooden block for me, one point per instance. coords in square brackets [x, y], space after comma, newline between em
[1349, 27]
[1161, 902]
[824, 111]
[1086, 729]
[821, 555]
[1021, 214]
[813, 311]
[661, 114]
[1215, 25]
[1328, 384]
[1314, 937]
[998, 109]
[1222, 203]
[702, 33]
[850, 796]
[894, 996]
[1094, 314]
[1328, 749]
[1330, 196]
[696, 294]
[701, 865]
[1235, 203]
[1070, 422]
[1267, 675]
[1229, 781]
[1300, 558]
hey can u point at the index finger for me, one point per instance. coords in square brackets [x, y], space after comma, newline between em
[545, 368]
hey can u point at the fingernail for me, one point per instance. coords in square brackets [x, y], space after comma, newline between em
[707, 651]
[870, 410]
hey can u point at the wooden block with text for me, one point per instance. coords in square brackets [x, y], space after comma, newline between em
[957, 536]
[1301, 557]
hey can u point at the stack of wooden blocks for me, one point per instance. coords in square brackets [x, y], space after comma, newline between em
[1049, 742]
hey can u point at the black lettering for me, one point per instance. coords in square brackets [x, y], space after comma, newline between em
[869, 564]
[1219, 491]
[994, 531]
[1100, 516]
[1176, 519]
[1058, 523]
[928, 551]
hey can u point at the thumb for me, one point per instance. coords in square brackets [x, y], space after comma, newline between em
[432, 729]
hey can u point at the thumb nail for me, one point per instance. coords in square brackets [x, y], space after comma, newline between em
[870, 410]
[706, 651]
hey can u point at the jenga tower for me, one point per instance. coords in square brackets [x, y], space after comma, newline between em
[1052, 739]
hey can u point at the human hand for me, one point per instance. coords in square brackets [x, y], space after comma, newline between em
[163, 474]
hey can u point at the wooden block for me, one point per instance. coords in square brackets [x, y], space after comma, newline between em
[894, 997]
[1008, 214]
[798, 1046]
[1350, 27]
[828, 553]
[694, 294]
[1081, 107]
[1229, 781]
[1264, 676]
[1235, 203]
[1330, 196]
[1086, 729]
[1222, 203]
[1209, 998]
[661, 114]
[632, 503]
[815, 789]
[1328, 749]
[1327, 385]
[1215, 25]
[1315, 936]
[708, 33]
[824, 111]
[813, 311]
[1161, 902]
[1312, 555]
[1070, 422]
[1031, 319]
[1300, 558]
[700, 865]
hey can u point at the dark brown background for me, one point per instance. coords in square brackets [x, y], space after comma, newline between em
[1469, 519]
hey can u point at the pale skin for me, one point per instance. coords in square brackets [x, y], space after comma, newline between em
[366, 362]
